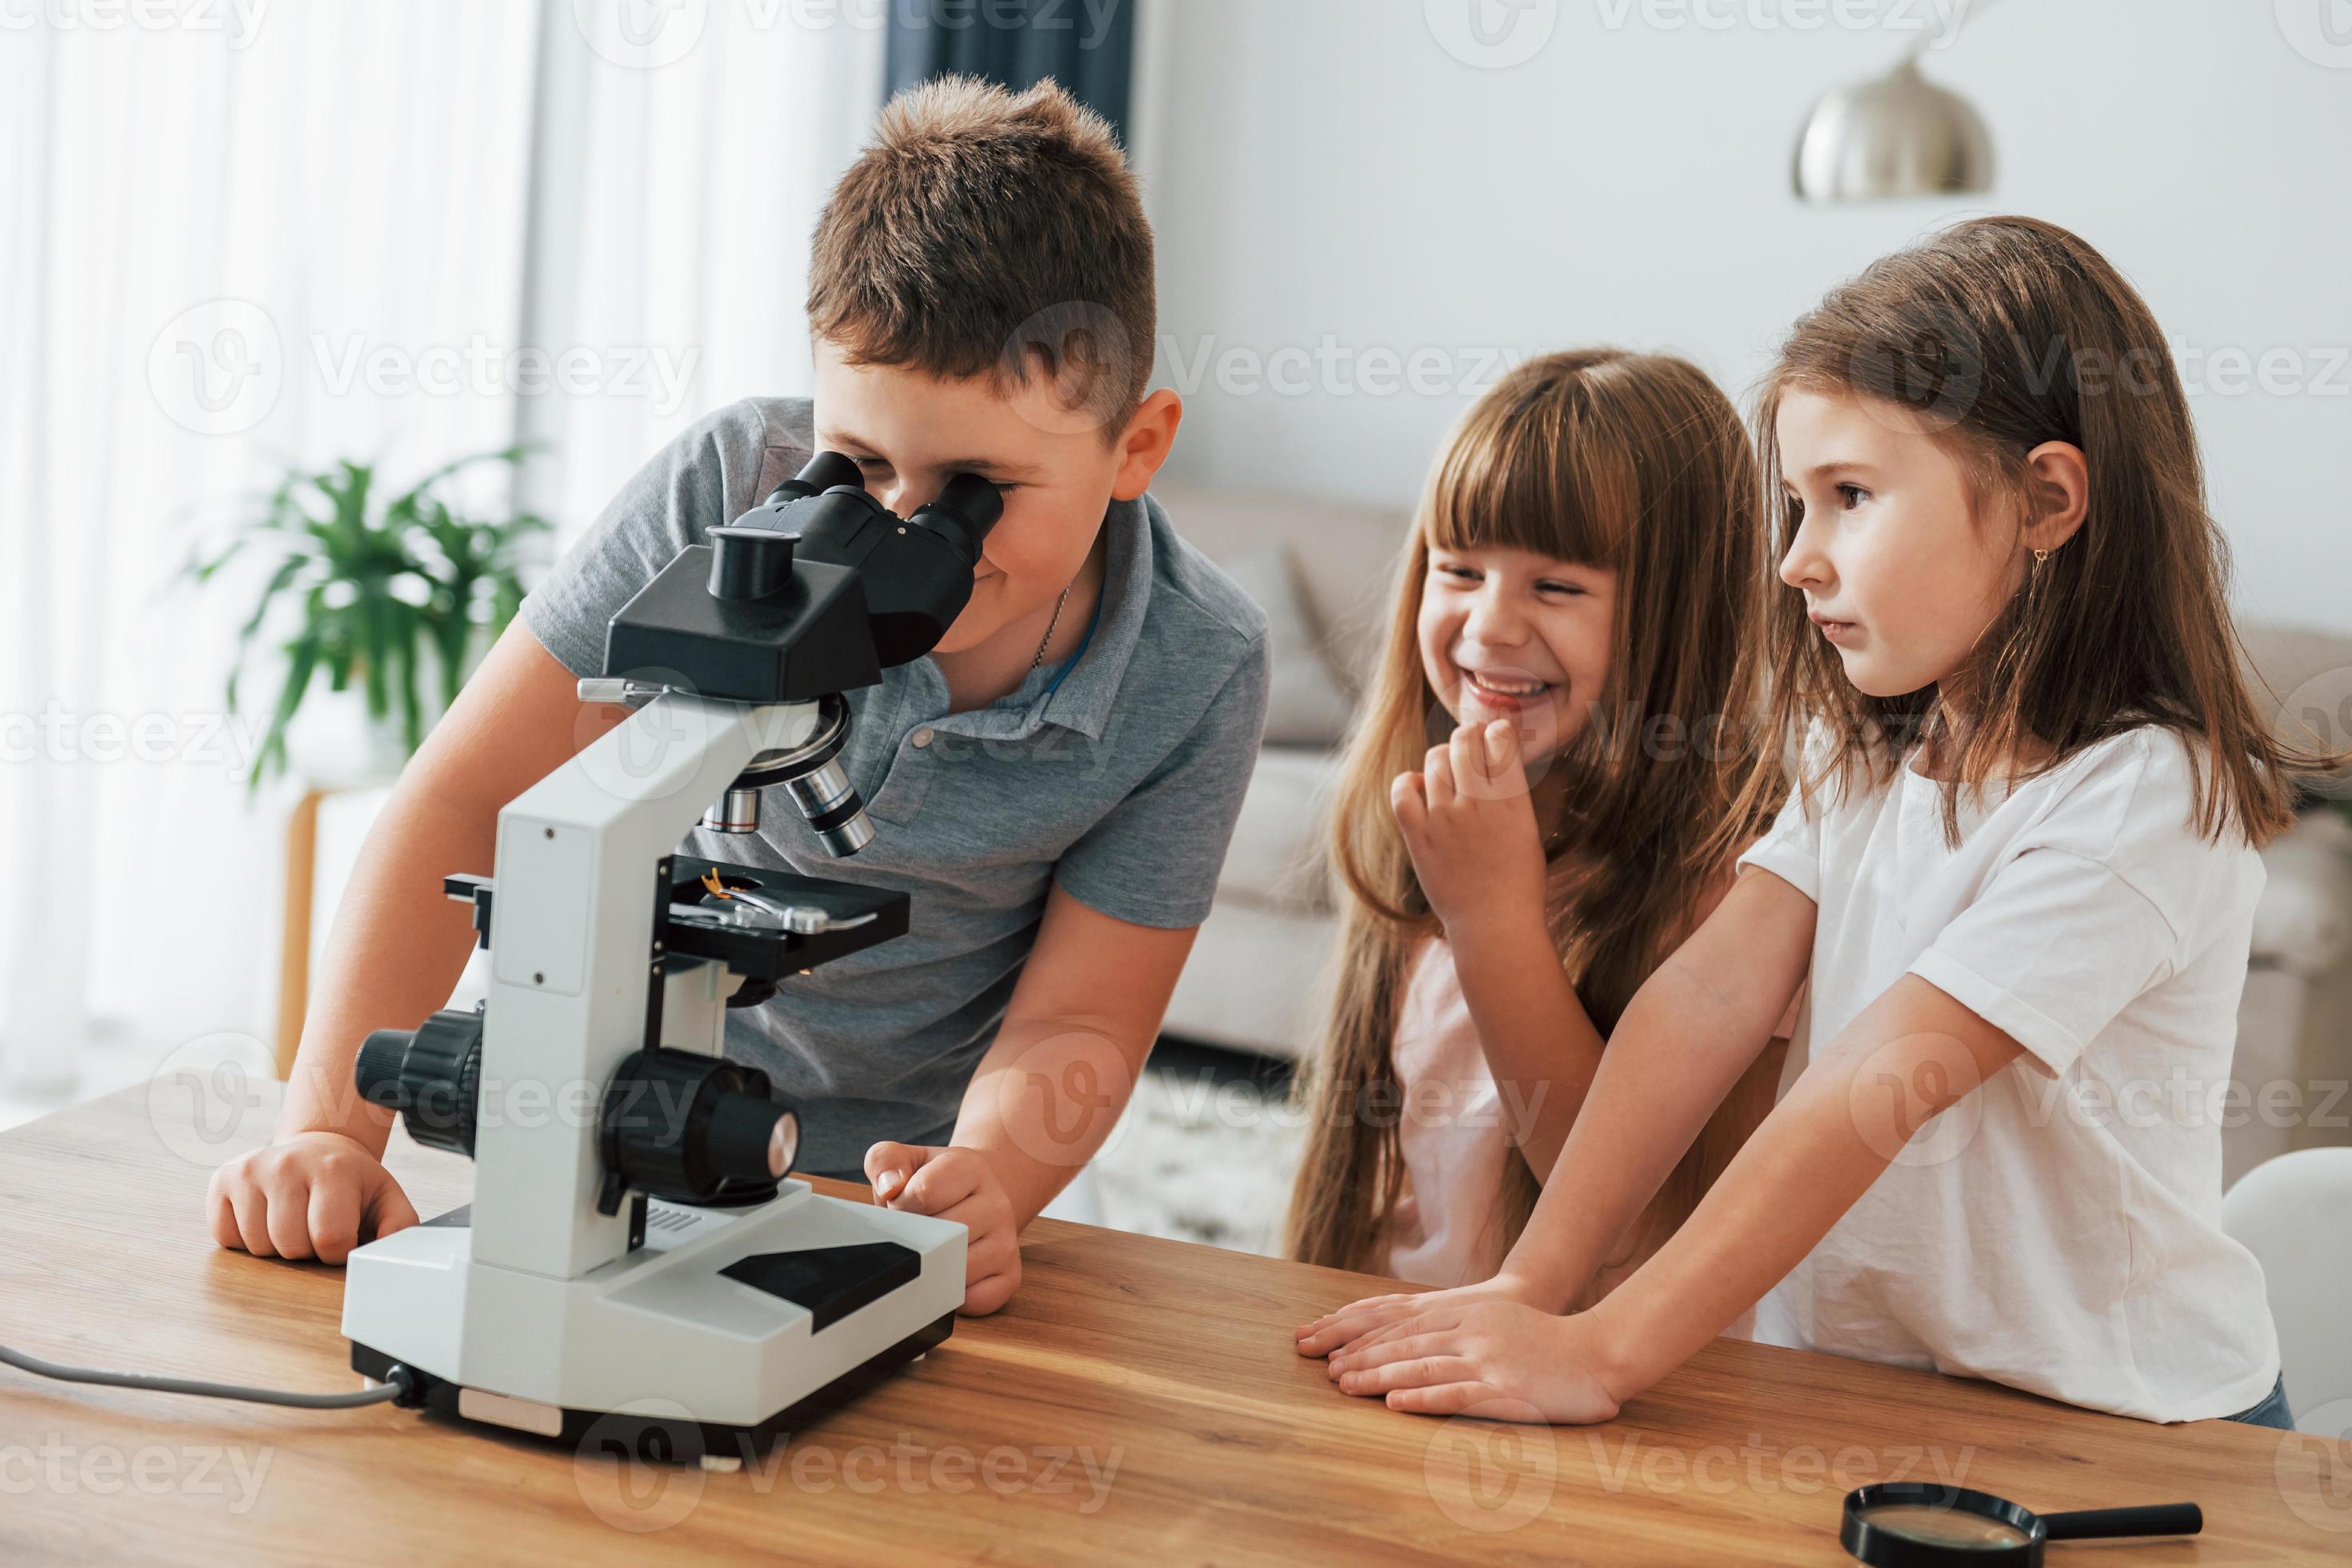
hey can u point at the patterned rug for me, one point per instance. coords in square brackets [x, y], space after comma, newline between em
[1205, 1152]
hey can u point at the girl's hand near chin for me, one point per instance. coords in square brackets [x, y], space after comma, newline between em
[1469, 823]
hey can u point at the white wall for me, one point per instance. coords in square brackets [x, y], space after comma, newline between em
[1325, 170]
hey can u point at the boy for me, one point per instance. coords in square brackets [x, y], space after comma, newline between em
[1054, 784]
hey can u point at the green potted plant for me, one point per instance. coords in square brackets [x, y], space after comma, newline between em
[400, 597]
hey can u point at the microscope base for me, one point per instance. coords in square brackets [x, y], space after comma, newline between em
[670, 1439]
[723, 1328]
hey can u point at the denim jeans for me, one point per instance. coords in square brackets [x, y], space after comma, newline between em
[2271, 1412]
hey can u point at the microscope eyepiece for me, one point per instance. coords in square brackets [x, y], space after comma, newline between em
[823, 585]
[749, 563]
[966, 508]
[823, 472]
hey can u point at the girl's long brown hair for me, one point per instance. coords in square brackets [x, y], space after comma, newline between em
[1632, 462]
[1998, 335]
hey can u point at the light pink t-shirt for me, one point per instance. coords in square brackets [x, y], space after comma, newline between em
[1453, 1134]
[1456, 1145]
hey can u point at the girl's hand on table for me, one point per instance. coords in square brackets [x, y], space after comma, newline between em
[1335, 1333]
[1493, 1358]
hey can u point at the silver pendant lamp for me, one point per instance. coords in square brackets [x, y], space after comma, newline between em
[1893, 136]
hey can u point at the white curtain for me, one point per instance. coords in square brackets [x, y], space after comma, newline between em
[683, 152]
[369, 228]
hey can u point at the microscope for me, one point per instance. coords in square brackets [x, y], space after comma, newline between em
[636, 1266]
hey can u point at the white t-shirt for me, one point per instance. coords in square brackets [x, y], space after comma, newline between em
[2059, 1230]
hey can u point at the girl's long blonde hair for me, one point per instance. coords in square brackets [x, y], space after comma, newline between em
[1638, 464]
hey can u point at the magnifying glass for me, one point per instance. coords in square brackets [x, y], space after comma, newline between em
[1922, 1524]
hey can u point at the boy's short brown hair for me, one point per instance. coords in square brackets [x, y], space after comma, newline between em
[986, 233]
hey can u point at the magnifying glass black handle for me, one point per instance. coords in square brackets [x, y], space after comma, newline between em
[2151, 1519]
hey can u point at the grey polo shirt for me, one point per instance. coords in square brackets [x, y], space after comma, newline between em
[1117, 774]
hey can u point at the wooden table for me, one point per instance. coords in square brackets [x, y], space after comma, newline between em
[1140, 1402]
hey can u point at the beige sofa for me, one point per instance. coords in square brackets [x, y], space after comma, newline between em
[1252, 984]
[1255, 977]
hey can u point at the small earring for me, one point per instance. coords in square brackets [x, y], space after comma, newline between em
[2040, 556]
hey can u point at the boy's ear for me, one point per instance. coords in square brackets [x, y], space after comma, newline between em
[1144, 446]
[2059, 491]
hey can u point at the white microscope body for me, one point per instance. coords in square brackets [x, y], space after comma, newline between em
[578, 1297]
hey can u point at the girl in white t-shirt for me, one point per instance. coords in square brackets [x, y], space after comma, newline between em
[2018, 878]
[1519, 848]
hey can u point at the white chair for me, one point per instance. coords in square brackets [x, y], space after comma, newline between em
[2294, 1215]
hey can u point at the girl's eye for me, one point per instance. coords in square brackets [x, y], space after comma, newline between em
[1575, 589]
[1459, 574]
[1853, 495]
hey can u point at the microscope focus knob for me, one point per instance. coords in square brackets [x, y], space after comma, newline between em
[748, 563]
[693, 1129]
[431, 1074]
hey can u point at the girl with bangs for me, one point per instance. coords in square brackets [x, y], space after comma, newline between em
[2017, 881]
[1540, 800]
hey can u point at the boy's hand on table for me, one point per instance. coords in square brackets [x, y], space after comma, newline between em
[311, 1195]
[1468, 820]
[1498, 1359]
[959, 1184]
[1352, 1326]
